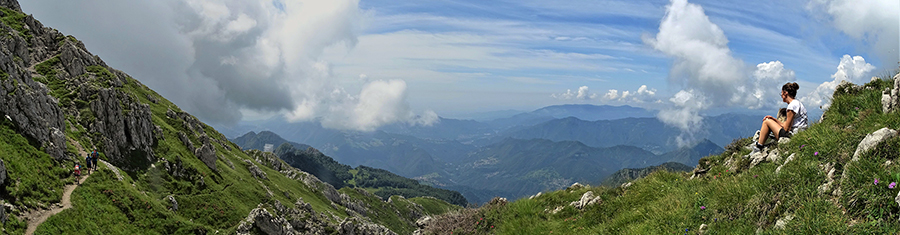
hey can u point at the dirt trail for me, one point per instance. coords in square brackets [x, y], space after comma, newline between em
[37, 217]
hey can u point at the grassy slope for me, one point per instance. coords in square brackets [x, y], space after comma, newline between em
[740, 202]
[138, 204]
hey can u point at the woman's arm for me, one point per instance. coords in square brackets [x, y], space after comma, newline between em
[789, 119]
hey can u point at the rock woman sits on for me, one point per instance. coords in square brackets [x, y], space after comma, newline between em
[794, 122]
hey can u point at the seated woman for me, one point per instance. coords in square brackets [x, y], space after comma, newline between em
[795, 118]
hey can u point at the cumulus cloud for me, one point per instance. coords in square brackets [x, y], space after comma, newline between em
[852, 69]
[705, 71]
[873, 21]
[220, 58]
[643, 94]
[583, 93]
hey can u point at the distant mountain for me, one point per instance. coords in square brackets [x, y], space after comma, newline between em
[252, 140]
[628, 174]
[444, 129]
[404, 155]
[647, 133]
[581, 111]
[383, 183]
[515, 168]
[594, 112]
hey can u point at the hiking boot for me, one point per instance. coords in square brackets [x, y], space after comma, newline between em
[756, 148]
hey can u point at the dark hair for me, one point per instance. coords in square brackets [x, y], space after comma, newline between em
[791, 89]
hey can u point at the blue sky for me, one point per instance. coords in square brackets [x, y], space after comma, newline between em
[532, 49]
[359, 64]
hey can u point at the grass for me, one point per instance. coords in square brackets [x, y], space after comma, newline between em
[737, 202]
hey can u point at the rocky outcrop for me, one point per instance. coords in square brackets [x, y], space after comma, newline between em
[126, 128]
[356, 226]
[2, 172]
[829, 179]
[890, 98]
[587, 199]
[872, 140]
[29, 105]
[206, 152]
[255, 171]
[266, 222]
[788, 159]
[11, 4]
[763, 156]
[185, 140]
[172, 200]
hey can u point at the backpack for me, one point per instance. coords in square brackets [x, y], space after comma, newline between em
[95, 154]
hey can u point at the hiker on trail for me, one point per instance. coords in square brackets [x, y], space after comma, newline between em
[795, 118]
[87, 162]
[94, 157]
[77, 171]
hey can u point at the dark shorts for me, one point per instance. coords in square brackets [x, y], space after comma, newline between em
[783, 133]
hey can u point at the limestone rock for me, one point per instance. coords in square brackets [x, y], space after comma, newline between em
[356, 226]
[267, 223]
[33, 111]
[185, 140]
[626, 185]
[789, 159]
[255, 171]
[703, 228]
[781, 223]
[897, 199]
[872, 140]
[422, 222]
[498, 201]
[11, 4]
[534, 196]
[890, 98]
[587, 199]
[174, 203]
[575, 186]
[128, 136]
[783, 140]
[2, 172]
[206, 152]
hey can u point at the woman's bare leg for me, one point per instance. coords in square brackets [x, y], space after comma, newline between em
[768, 125]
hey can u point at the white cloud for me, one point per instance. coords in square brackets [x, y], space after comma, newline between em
[769, 77]
[583, 93]
[852, 69]
[874, 21]
[642, 95]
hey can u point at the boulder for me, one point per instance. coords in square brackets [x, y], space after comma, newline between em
[872, 140]
[267, 223]
[357, 226]
[174, 203]
[185, 140]
[890, 98]
[206, 152]
[575, 186]
[587, 199]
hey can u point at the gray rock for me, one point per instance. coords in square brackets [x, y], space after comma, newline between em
[356, 226]
[781, 223]
[207, 153]
[11, 4]
[703, 229]
[425, 220]
[575, 186]
[897, 199]
[255, 171]
[587, 199]
[890, 98]
[267, 223]
[2, 172]
[789, 159]
[174, 203]
[872, 140]
[185, 140]
[128, 136]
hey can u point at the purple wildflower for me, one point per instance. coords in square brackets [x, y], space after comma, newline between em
[703, 207]
[801, 146]
[892, 185]
[857, 108]
[876, 180]
[816, 153]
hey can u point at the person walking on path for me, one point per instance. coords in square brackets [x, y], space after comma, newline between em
[95, 156]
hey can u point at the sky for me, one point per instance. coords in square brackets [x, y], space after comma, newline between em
[361, 64]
